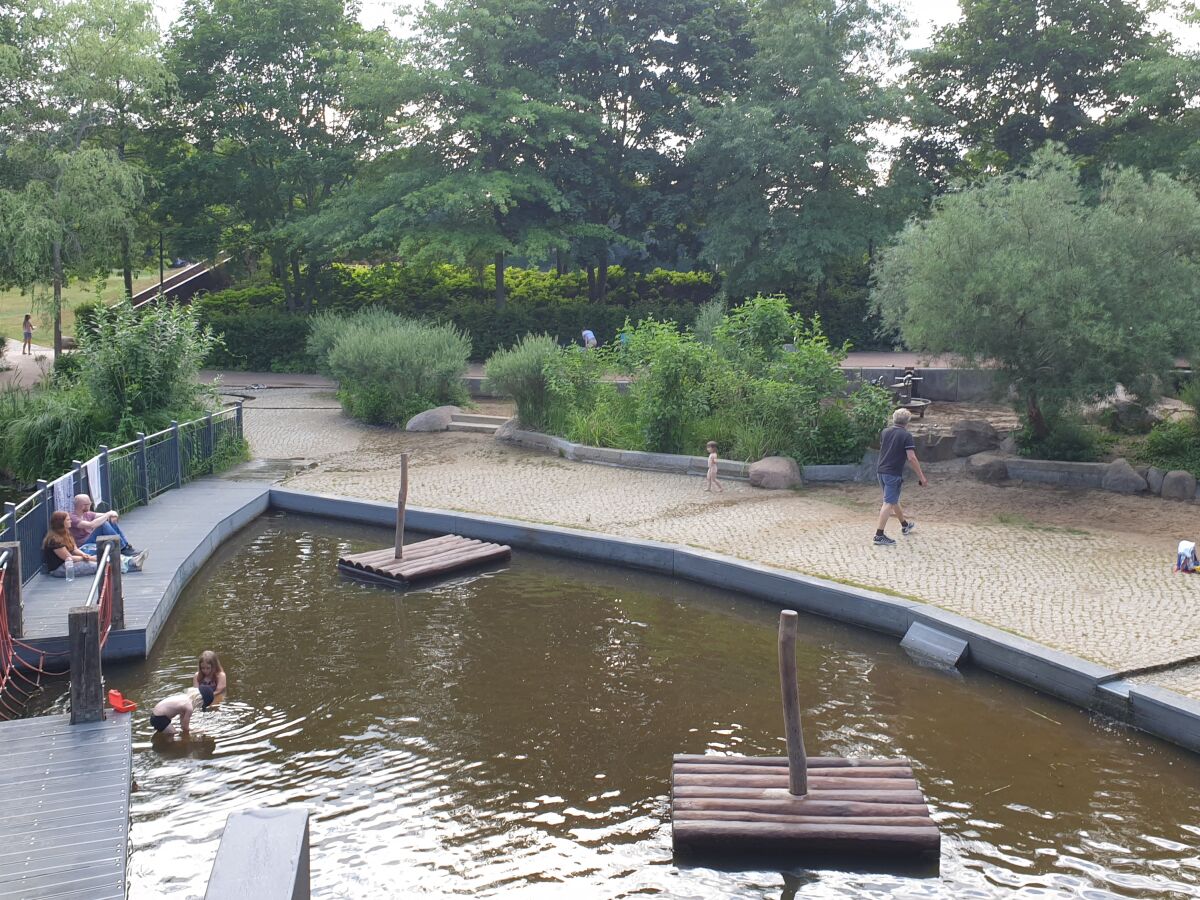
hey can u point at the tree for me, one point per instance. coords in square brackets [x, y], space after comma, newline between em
[66, 204]
[1066, 299]
[786, 166]
[1013, 74]
[262, 103]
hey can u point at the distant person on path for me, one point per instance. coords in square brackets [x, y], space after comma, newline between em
[182, 705]
[59, 546]
[589, 339]
[711, 476]
[87, 525]
[27, 334]
[209, 673]
[896, 447]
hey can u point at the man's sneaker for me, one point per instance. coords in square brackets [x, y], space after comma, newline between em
[137, 562]
[882, 540]
[129, 550]
[907, 527]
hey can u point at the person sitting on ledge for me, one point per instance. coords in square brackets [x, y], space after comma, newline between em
[182, 705]
[87, 525]
[59, 546]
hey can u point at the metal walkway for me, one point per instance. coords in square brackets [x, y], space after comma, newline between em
[64, 821]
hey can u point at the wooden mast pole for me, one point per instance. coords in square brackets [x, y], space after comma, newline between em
[797, 760]
[401, 502]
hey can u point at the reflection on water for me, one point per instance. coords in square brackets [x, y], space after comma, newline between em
[511, 734]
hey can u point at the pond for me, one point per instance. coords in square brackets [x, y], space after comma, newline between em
[510, 734]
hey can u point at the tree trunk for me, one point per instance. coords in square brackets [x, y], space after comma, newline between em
[560, 267]
[127, 266]
[591, 273]
[1037, 421]
[500, 295]
[602, 278]
[297, 284]
[58, 286]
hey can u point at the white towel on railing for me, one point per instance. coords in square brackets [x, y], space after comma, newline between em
[64, 493]
[93, 473]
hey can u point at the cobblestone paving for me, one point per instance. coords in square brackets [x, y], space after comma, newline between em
[1105, 595]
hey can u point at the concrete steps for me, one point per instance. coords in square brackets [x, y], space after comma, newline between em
[476, 424]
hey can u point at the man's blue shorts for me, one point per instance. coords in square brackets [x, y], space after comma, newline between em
[891, 487]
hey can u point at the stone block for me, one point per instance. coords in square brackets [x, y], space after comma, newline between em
[508, 430]
[436, 419]
[1121, 478]
[927, 644]
[776, 473]
[1178, 485]
[976, 384]
[973, 436]
[935, 447]
[938, 384]
[987, 467]
[263, 855]
[1154, 479]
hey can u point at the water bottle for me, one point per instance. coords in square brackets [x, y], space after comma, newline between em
[69, 574]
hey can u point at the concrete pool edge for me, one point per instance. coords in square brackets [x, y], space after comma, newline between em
[1155, 711]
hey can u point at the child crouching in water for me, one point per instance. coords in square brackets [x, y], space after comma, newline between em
[182, 705]
[711, 476]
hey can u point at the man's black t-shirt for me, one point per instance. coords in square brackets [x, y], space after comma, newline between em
[894, 444]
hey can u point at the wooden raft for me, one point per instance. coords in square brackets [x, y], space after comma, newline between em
[795, 805]
[400, 564]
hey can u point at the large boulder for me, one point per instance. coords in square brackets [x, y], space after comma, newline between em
[506, 431]
[1179, 485]
[973, 436]
[1154, 478]
[987, 467]
[1120, 477]
[436, 419]
[935, 447]
[1127, 417]
[776, 473]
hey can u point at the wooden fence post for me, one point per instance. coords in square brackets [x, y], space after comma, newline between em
[12, 589]
[239, 420]
[83, 629]
[175, 436]
[401, 503]
[118, 588]
[797, 760]
[143, 464]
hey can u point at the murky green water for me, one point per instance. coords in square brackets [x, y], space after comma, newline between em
[511, 735]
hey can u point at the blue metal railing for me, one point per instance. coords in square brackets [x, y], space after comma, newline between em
[129, 475]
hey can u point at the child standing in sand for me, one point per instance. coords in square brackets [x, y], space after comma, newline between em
[711, 477]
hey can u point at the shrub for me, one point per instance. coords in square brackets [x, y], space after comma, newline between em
[1174, 444]
[86, 314]
[66, 369]
[1068, 438]
[324, 328]
[708, 319]
[521, 373]
[259, 340]
[43, 430]
[389, 372]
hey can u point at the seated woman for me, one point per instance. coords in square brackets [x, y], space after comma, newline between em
[58, 546]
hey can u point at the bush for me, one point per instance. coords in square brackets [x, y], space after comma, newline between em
[521, 373]
[1069, 439]
[86, 315]
[1174, 444]
[259, 340]
[388, 370]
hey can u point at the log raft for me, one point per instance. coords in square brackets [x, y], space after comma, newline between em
[402, 563]
[794, 805]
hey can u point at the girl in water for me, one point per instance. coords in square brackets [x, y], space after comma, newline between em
[209, 673]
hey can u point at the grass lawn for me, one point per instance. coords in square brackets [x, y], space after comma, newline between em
[15, 303]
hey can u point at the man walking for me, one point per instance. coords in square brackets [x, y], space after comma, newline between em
[896, 447]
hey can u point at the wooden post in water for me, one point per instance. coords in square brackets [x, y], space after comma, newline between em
[87, 695]
[12, 589]
[797, 760]
[401, 502]
[118, 589]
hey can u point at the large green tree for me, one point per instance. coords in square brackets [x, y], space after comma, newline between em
[67, 203]
[1010, 75]
[263, 130]
[1067, 299]
[785, 166]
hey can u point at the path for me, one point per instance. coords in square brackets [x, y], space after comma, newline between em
[1087, 573]
[64, 825]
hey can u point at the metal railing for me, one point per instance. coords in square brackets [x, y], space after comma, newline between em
[126, 476]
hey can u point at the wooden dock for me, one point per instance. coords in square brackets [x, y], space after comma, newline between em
[852, 806]
[402, 563]
[64, 820]
[796, 805]
[424, 559]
